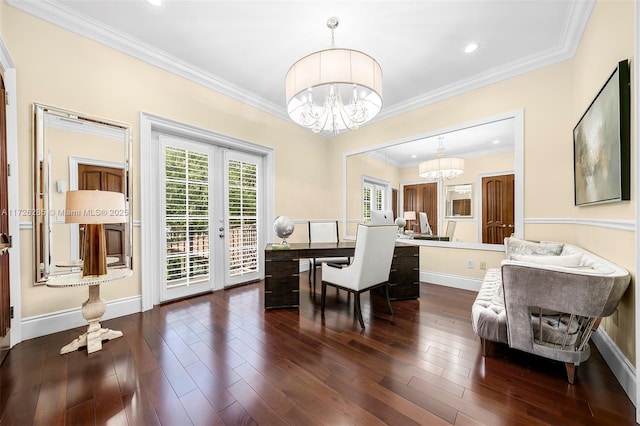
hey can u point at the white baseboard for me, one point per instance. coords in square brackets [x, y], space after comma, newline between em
[449, 280]
[41, 325]
[617, 362]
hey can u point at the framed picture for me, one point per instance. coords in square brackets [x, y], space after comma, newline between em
[601, 144]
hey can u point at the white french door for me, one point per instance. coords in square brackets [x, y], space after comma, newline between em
[374, 197]
[242, 193]
[211, 215]
[186, 195]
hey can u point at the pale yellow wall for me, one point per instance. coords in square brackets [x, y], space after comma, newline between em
[59, 68]
[553, 99]
[446, 260]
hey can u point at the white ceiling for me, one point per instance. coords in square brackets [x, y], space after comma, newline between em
[489, 138]
[244, 48]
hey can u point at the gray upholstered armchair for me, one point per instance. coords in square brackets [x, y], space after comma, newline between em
[551, 302]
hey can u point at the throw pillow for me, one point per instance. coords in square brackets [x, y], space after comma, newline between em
[518, 246]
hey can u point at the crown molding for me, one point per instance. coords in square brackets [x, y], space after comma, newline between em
[68, 19]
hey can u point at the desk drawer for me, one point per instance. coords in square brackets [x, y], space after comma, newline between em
[281, 297]
[404, 279]
[282, 269]
[281, 284]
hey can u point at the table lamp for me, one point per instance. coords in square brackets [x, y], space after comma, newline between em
[410, 215]
[93, 209]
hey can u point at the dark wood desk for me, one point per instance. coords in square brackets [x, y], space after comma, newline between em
[430, 237]
[282, 271]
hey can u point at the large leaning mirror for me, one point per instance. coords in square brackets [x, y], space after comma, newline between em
[387, 177]
[75, 151]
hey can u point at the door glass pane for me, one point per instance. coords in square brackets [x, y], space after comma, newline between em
[243, 217]
[187, 216]
[366, 202]
[379, 202]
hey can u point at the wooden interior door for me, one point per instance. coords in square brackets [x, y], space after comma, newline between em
[394, 202]
[422, 198]
[5, 300]
[461, 207]
[106, 179]
[497, 208]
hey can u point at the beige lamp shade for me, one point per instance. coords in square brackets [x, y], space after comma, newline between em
[318, 88]
[333, 66]
[410, 215]
[446, 167]
[92, 206]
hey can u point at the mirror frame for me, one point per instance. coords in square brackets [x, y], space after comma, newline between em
[42, 187]
[518, 154]
[448, 204]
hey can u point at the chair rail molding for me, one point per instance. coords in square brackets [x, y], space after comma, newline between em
[623, 225]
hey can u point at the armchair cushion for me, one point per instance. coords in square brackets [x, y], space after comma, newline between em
[488, 316]
[568, 260]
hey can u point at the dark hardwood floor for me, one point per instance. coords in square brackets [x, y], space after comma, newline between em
[221, 359]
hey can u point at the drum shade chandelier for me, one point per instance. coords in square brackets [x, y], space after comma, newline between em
[318, 84]
[442, 167]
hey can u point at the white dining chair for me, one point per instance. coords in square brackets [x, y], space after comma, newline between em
[369, 269]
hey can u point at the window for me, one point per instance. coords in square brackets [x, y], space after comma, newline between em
[374, 197]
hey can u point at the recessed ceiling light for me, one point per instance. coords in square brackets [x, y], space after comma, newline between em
[413, 156]
[155, 2]
[471, 47]
[496, 142]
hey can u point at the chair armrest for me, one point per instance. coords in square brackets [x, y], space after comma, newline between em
[562, 289]
[529, 287]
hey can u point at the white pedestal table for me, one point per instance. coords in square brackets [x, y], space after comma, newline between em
[92, 309]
